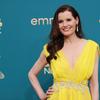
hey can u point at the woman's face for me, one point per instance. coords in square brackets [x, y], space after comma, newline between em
[67, 23]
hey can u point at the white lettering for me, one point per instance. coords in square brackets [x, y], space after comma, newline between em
[41, 21]
[34, 21]
[47, 69]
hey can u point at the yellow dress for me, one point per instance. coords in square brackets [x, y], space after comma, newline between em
[72, 84]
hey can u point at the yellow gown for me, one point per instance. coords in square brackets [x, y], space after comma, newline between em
[72, 83]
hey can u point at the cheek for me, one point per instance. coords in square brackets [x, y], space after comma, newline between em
[60, 26]
[73, 23]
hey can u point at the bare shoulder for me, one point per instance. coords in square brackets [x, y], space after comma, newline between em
[84, 41]
[90, 40]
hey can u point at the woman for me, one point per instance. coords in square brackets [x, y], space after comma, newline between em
[73, 60]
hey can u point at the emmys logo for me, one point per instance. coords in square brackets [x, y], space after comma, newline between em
[2, 76]
[47, 69]
[41, 21]
[99, 20]
[1, 24]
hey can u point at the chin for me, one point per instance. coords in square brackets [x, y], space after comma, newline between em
[67, 34]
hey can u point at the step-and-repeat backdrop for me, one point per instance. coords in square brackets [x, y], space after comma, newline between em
[24, 29]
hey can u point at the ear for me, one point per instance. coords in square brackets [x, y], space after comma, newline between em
[77, 20]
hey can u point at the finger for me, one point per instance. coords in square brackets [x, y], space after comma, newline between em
[49, 92]
[50, 89]
[48, 96]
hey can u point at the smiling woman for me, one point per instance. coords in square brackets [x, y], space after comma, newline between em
[67, 23]
[73, 60]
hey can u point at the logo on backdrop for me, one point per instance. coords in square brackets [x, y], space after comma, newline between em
[41, 21]
[47, 69]
[1, 73]
[2, 76]
[1, 24]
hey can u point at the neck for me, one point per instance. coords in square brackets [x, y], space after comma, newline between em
[71, 39]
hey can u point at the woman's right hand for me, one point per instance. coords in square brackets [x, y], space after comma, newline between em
[48, 93]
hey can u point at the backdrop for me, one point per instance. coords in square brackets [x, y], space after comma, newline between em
[24, 29]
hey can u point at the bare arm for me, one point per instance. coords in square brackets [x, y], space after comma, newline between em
[40, 64]
[94, 84]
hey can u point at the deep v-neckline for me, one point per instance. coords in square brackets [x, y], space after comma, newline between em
[77, 58]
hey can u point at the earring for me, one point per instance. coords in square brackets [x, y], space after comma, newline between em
[77, 28]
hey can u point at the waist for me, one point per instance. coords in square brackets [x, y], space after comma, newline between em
[82, 86]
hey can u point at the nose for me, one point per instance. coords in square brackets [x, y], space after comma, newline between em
[64, 23]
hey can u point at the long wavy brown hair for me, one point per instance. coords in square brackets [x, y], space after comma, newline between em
[56, 37]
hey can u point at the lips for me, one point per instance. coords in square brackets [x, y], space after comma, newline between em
[66, 28]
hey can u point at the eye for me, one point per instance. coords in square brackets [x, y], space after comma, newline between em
[69, 19]
[60, 21]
